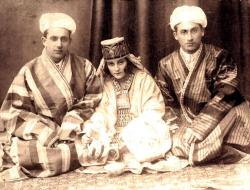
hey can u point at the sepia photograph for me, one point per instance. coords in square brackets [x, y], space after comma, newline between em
[125, 94]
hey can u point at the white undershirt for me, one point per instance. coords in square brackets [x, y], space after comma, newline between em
[190, 59]
[61, 65]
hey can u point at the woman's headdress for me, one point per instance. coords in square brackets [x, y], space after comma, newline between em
[114, 48]
[117, 48]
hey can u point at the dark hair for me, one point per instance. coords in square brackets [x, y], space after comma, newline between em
[45, 33]
[128, 69]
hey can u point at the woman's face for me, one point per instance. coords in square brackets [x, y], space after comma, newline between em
[117, 67]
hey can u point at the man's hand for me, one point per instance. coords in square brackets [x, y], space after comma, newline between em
[189, 136]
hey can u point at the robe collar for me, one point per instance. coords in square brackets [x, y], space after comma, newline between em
[190, 59]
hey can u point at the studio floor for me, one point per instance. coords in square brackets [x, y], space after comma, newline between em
[231, 177]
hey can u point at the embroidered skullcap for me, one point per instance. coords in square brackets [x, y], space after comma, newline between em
[114, 48]
[57, 20]
[188, 14]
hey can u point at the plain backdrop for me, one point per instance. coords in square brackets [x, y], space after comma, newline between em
[143, 23]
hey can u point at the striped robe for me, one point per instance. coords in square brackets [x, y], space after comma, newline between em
[43, 111]
[206, 102]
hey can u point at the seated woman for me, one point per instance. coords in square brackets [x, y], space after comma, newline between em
[127, 125]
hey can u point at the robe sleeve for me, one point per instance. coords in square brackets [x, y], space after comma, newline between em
[74, 119]
[102, 116]
[165, 84]
[147, 136]
[93, 91]
[19, 115]
[96, 131]
[152, 99]
[225, 96]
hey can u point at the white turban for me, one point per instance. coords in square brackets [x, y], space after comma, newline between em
[188, 14]
[54, 20]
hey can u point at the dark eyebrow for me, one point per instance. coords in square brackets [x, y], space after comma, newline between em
[120, 60]
[52, 36]
[110, 62]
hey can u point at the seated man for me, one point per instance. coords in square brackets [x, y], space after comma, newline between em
[48, 102]
[200, 87]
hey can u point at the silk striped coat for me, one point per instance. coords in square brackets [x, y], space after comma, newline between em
[206, 102]
[42, 112]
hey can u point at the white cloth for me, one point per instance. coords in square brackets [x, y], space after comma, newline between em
[147, 139]
[1, 156]
[188, 14]
[112, 41]
[190, 59]
[57, 20]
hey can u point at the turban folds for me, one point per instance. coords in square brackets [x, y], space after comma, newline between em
[188, 14]
[56, 20]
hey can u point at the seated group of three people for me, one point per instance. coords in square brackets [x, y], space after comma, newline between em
[60, 113]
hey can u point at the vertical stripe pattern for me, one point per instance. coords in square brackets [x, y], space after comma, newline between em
[216, 114]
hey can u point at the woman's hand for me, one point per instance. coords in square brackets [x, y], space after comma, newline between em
[95, 150]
